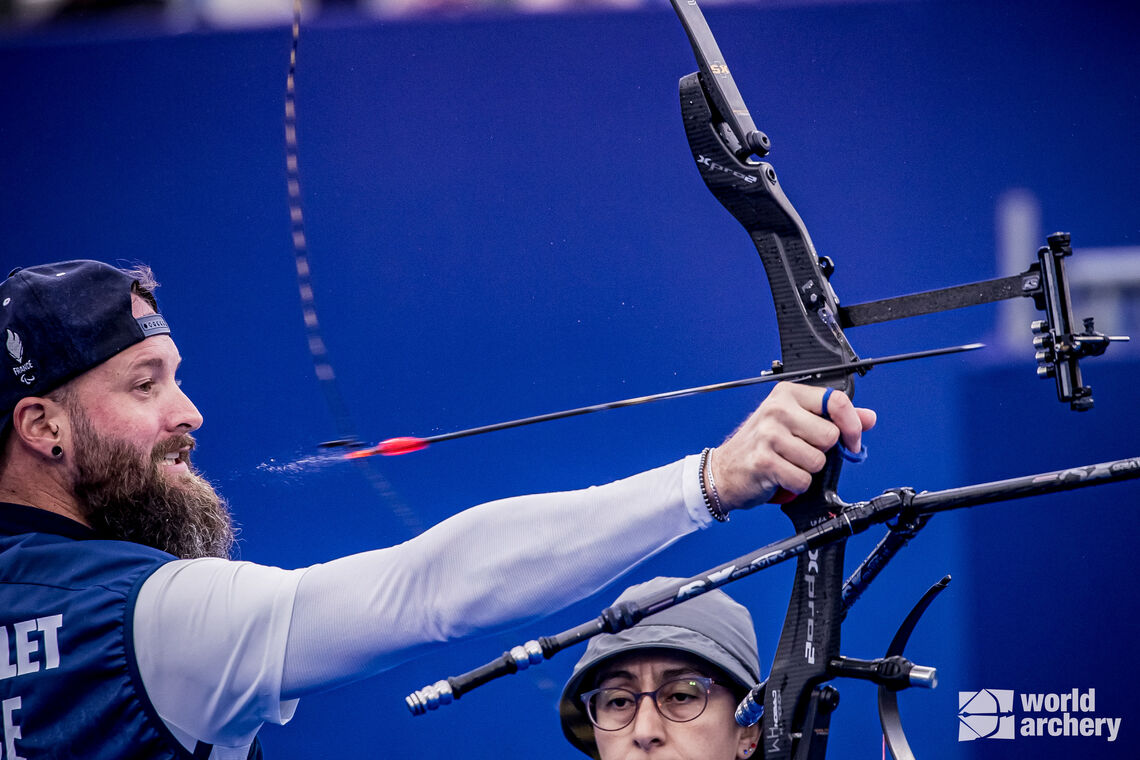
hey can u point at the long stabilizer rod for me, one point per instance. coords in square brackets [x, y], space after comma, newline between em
[849, 520]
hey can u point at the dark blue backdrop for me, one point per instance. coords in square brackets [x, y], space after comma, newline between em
[504, 220]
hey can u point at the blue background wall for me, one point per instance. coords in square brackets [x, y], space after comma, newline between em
[504, 220]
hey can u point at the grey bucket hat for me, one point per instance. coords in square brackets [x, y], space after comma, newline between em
[712, 627]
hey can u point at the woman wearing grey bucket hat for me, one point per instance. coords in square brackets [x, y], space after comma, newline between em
[694, 662]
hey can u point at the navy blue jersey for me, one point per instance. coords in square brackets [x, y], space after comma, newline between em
[69, 684]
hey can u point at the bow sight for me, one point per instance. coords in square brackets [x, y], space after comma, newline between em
[1059, 349]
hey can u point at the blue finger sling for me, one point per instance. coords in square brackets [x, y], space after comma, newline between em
[843, 450]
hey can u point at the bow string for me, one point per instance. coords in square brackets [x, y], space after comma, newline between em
[322, 363]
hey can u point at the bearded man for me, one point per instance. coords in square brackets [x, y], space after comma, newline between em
[131, 634]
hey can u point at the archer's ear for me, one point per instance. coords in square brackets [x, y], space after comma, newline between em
[39, 424]
[746, 747]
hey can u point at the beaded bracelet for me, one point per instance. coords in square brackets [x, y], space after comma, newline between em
[712, 503]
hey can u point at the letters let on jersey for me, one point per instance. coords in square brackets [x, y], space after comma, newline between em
[29, 646]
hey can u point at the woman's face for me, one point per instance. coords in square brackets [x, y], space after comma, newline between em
[713, 735]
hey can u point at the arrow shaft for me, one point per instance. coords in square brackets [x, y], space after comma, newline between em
[768, 377]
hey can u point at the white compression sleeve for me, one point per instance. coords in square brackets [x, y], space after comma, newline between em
[495, 564]
[221, 643]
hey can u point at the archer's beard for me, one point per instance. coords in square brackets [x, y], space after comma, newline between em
[124, 495]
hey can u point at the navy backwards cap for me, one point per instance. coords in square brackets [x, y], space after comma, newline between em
[60, 320]
[711, 627]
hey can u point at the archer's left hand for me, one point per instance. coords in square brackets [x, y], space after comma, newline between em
[783, 443]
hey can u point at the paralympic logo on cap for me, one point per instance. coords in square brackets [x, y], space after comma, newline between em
[985, 714]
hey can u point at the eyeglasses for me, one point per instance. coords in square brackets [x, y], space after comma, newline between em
[679, 700]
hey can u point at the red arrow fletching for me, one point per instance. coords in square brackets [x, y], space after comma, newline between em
[390, 448]
[404, 445]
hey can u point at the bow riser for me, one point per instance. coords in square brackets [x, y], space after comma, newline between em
[805, 310]
[811, 634]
